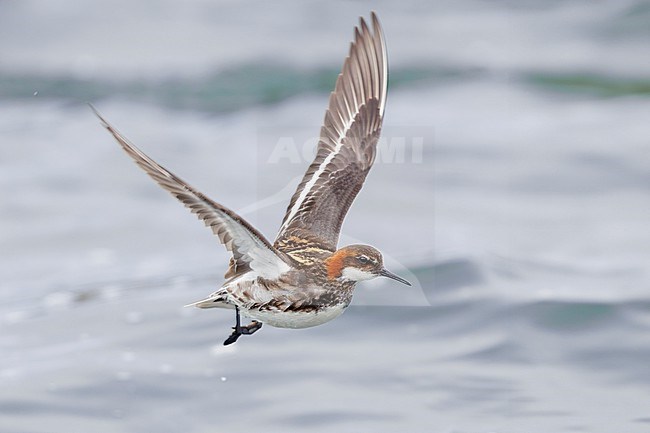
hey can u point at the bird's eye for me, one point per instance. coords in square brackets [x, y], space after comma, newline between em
[363, 259]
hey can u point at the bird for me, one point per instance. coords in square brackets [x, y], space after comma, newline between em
[302, 279]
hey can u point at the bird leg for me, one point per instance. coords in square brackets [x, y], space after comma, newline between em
[239, 330]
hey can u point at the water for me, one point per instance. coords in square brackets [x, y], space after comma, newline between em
[518, 207]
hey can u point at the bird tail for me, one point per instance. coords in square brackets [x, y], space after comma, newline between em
[216, 300]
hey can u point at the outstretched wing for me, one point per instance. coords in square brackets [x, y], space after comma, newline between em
[250, 250]
[346, 149]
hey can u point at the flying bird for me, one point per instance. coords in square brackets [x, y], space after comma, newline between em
[302, 279]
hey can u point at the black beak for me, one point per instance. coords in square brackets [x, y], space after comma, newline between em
[389, 274]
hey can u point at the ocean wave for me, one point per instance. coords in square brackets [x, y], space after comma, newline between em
[259, 84]
[590, 84]
[227, 90]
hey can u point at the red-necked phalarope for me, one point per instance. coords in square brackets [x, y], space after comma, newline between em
[302, 279]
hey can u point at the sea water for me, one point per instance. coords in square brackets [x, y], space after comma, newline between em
[511, 187]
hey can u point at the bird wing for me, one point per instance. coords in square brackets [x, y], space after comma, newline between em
[250, 250]
[346, 149]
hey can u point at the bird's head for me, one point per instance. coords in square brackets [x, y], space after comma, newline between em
[358, 263]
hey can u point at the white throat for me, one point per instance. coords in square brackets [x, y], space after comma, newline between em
[356, 274]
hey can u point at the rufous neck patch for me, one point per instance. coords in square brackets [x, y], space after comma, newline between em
[334, 264]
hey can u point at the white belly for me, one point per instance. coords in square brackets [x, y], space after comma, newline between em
[296, 320]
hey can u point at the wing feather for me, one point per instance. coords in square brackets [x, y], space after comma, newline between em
[346, 149]
[250, 250]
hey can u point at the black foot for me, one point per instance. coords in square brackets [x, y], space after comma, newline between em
[239, 330]
[233, 338]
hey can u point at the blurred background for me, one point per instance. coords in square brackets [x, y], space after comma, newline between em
[512, 187]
